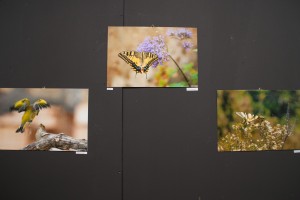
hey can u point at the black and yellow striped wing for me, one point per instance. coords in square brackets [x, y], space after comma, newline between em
[139, 61]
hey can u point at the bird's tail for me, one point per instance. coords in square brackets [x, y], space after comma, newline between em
[20, 129]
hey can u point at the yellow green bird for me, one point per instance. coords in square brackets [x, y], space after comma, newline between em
[31, 110]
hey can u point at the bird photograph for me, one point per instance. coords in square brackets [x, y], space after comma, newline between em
[30, 111]
[43, 119]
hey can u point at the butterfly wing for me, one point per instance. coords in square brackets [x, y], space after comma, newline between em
[139, 61]
[148, 59]
[132, 58]
[241, 114]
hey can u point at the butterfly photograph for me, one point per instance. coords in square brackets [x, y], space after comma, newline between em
[45, 119]
[152, 57]
[258, 120]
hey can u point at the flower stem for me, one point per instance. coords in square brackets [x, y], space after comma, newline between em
[181, 71]
[288, 127]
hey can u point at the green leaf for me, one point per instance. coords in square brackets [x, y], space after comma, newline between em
[179, 84]
[188, 66]
[194, 77]
[171, 72]
[162, 82]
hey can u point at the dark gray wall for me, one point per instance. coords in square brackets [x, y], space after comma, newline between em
[164, 140]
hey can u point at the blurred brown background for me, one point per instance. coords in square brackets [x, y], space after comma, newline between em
[68, 114]
[120, 74]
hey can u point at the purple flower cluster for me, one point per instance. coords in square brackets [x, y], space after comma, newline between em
[182, 34]
[157, 46]
[187, 45]
[171, 32]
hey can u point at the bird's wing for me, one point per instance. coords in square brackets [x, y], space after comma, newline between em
[40, 104]
[20, 105]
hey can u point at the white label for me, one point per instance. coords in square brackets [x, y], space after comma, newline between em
[191, 89]
[81, 152]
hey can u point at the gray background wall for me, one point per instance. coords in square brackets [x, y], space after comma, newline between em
[137, 152]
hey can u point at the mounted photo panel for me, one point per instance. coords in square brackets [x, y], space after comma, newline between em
[152, 57]
[43, 119]
[257, 120]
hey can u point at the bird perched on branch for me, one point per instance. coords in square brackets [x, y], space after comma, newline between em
[30, 111]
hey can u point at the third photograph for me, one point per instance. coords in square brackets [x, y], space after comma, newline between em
[257, 120]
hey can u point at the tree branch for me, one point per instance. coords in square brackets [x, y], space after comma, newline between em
[55, 142]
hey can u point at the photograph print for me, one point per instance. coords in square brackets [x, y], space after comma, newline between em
[152, 57]
[258, 120]
[43, 119]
